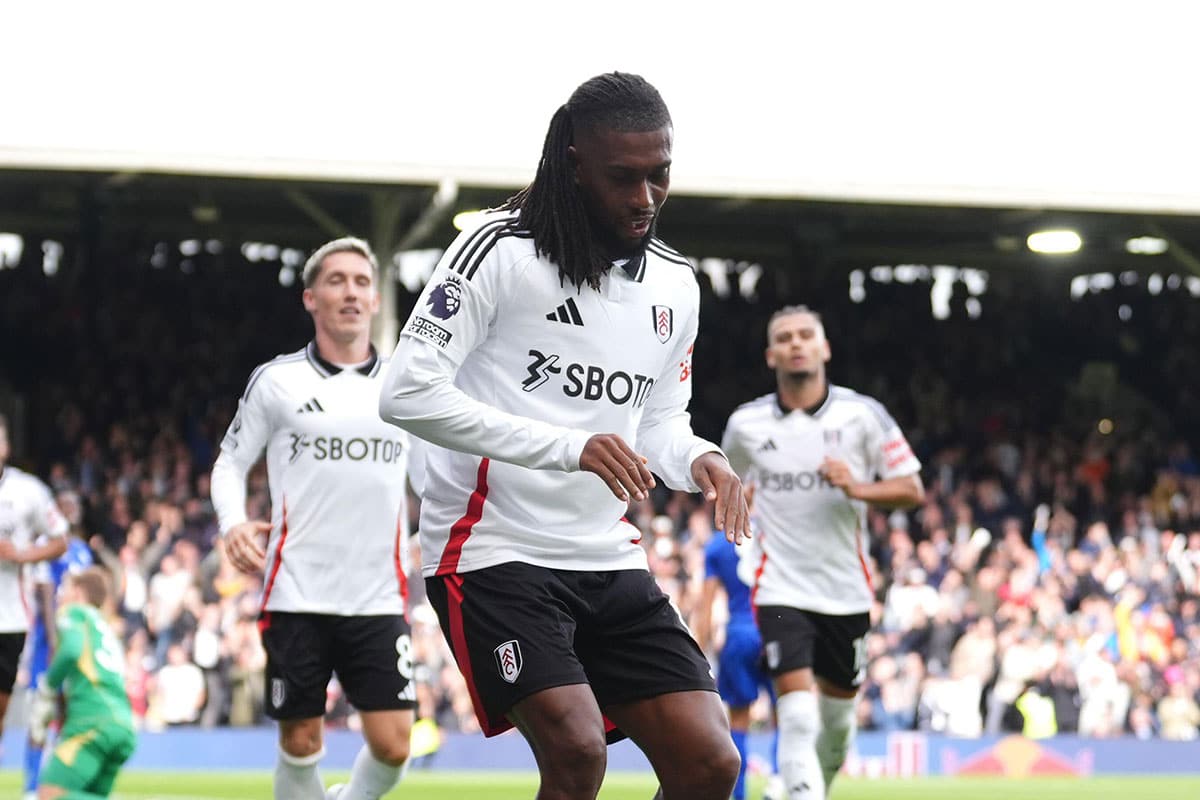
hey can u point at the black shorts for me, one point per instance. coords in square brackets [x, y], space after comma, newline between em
[516, 629]
[11, 645]
[831, 644]
[372, 656]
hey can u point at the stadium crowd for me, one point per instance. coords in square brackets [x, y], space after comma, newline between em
[1050, 582]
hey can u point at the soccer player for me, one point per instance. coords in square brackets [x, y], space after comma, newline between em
[31, 530]
[97, 735]
[334, 592]
[49, 578]
[548, 364]
[740, 675]
[817, 456]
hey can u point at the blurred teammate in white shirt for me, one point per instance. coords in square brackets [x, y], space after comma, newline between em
[818, 456]
[333, 552]
[31, 530]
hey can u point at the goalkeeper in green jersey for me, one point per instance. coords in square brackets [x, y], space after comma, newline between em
[97, 735]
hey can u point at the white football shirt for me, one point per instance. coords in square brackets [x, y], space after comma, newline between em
[810, 551]
[506, 371]
[337, 477]
[27, 512]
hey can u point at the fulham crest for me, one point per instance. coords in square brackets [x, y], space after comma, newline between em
[508, 660]
[664, 322]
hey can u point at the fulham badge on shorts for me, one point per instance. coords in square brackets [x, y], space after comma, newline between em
[664, 322]
[508, 660]
[278, 692]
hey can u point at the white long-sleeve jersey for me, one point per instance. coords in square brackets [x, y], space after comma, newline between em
[27, 513]
[506, 371]
[810, 547]
[339, 525]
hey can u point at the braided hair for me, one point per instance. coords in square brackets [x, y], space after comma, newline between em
[552, 208]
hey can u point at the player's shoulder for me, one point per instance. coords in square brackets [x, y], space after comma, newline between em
[273, 369]
[494, 237]
[21, 481]
[660, 251]
[864, 404]
[758, 408]
[75, 614]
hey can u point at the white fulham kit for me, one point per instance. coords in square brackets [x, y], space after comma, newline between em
[27, 513]
[339, 526]
[810, 548]
[501, 355]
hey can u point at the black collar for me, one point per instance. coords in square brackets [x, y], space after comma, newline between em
[810, 411]
[327, 368]
[635, 266]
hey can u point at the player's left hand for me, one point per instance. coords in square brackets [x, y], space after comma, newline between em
[8, 551]
[838, 473]
[720, 483]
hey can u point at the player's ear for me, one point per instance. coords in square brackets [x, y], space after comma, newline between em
[310, 302]
[770, 358]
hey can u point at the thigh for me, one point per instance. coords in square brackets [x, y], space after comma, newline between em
[634, 644]
[114, 748]
[681, 733]
[789, 639]
[11, 645]
[373, 659]
[511, 633]
[75, 762]
[840, 658]
[299, 651]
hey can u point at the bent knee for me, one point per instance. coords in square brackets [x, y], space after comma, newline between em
[582, 750]
[393, 753]
[712, 773]
[300, 739]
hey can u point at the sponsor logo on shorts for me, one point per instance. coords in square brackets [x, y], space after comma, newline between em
[772, 652]
[278, 692]
[508, 660]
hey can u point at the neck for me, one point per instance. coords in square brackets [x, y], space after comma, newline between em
[802, 391]
[349, 352]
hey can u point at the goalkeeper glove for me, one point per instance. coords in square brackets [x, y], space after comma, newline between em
[43, 711]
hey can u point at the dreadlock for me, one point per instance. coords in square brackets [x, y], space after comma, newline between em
[551, 208]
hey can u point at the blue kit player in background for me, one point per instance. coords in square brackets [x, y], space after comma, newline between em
[740, 674]
[48, 578]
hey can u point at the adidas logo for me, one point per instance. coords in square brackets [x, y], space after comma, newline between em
[311, 405]
[769, 444]
[566, 312]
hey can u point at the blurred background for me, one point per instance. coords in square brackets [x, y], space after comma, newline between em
[997, 216]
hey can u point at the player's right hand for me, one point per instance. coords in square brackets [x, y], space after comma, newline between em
[246, 545]
[42, 711]
[625, 472]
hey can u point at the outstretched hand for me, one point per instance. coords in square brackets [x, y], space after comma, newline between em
[720, 483]
[625, 472]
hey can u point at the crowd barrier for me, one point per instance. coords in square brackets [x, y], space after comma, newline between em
[875, 755]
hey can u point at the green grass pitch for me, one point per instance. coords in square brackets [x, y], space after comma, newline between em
[434, 785]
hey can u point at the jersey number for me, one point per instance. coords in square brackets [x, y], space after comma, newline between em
[404, 664]
[108, 653]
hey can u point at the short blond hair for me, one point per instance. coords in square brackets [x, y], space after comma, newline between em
[346, 244]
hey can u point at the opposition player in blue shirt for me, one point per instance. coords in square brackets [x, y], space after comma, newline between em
[740, 676]
[48, 577]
